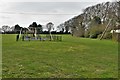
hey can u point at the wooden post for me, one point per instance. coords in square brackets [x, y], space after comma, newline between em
[105, 30]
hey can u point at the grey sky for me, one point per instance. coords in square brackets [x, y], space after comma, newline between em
[24, 13]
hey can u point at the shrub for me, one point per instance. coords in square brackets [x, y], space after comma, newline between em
[99, 36]
[86, 34]
[93, 36]
[94, 33]
[107, 35]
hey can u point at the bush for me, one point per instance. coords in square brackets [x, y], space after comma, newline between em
[86, 34]
[99, 36]
[96, 30]
[93, 36]
[107, 35]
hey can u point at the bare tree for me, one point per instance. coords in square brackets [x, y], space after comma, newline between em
[5, 28]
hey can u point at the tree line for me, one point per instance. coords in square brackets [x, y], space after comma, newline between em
[40, 29]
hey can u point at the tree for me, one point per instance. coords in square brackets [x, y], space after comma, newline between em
[49, 26]
[5, 28]
[40, 29]
[61, 28]
[77, 28]
[34, 24]
[17, 27]
[67, 25]
[33, 28]
[97, 20]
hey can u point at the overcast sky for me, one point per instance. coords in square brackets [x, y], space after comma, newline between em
[24, 12]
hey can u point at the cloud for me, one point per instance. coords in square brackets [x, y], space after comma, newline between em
[24, 13]
[55, 0]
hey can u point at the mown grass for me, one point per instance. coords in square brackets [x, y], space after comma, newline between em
[71, 58]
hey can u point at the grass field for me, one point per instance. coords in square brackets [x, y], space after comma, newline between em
[71, 58]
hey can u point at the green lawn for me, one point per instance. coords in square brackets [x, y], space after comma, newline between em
[71, 58]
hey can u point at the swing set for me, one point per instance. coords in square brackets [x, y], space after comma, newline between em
[31, 35]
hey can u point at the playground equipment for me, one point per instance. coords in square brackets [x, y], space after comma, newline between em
[32, 34]
[43, 38]
[50, 26]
